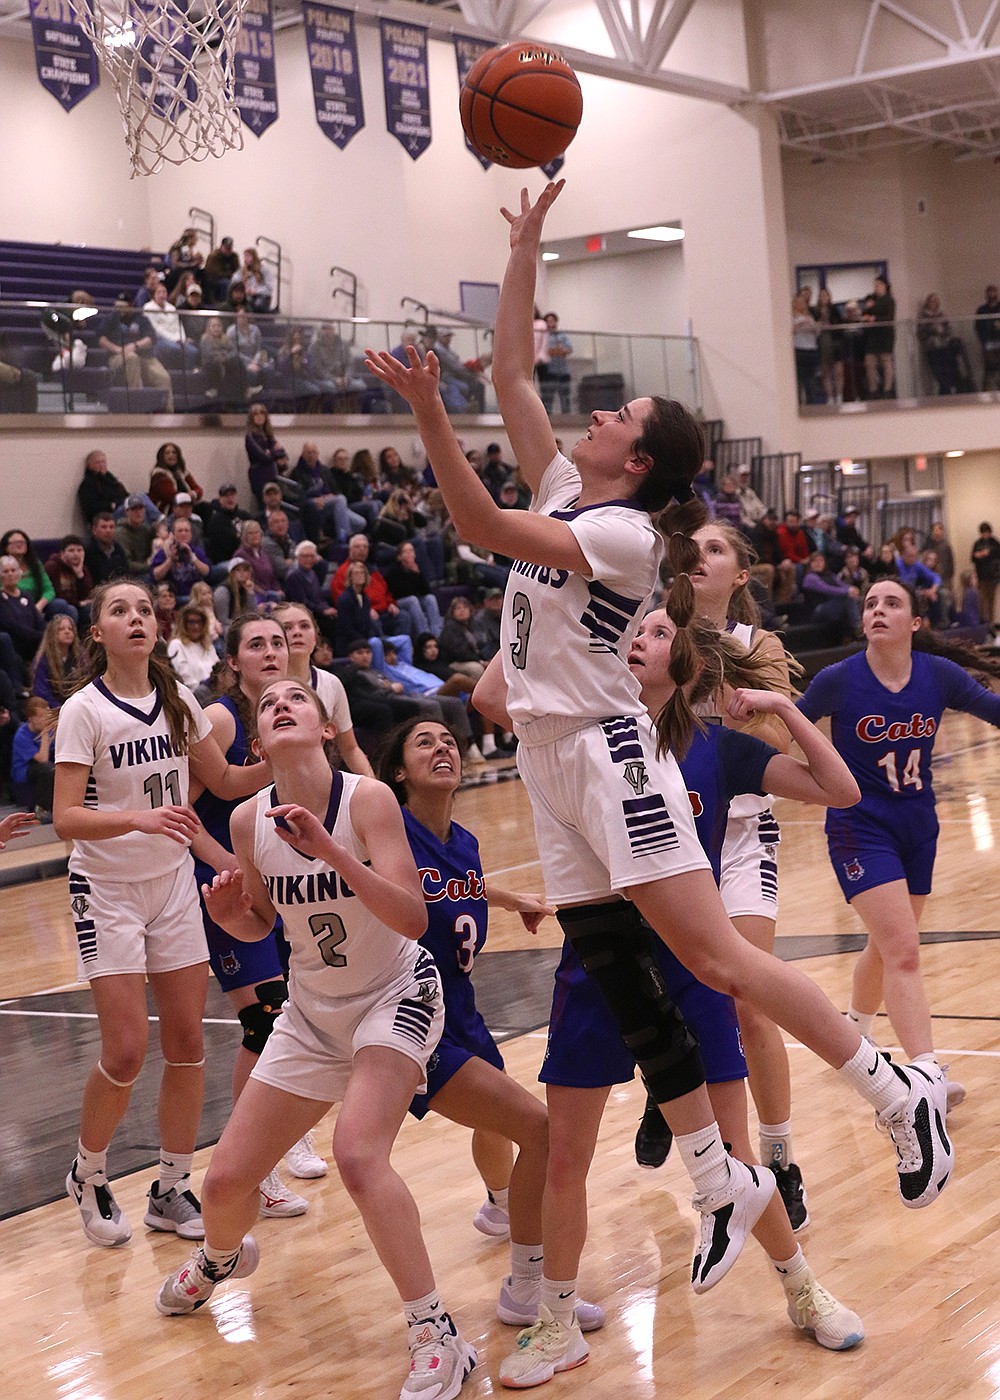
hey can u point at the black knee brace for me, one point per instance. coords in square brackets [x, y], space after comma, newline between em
[618, 951]
[259, 1017]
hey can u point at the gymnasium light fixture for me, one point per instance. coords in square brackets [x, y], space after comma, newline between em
[658, 233]
[550, 257]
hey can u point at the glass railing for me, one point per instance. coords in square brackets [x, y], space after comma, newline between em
[928, 358]
[59, 358]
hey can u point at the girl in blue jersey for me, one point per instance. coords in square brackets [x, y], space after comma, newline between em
[611, 816]
[886, 704]
[466, 1082]
[251, 974]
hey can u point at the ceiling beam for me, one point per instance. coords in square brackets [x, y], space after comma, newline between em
[862, 80]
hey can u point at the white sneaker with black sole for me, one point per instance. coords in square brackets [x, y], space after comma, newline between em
[195, 1282]
[916, 1124]
[727, 1217]
[440, 1362]
[590, 1316]
[103, 1220]
[176, 1210]
[277, 1202]
[304, 1161]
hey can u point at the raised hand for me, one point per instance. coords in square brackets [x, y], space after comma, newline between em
[526, 227]
[416, 383]
[299, 827]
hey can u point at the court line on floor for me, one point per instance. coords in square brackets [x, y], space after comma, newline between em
[92, 1016]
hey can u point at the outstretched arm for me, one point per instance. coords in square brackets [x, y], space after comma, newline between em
[513, 367]
[824, 778]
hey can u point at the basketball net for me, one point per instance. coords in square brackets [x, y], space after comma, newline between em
[172, 66]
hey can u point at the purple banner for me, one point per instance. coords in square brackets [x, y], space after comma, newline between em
[468, 52]
[64, 56]
[161, 70]
[336, 78]
[256, 83]
[407, 93]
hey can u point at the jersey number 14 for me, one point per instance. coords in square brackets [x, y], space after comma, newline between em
[911, 771]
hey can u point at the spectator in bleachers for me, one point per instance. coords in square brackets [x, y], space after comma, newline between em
[926, 583]
[883, 564]
[399, 520]
[486, 623]
[752, 508]
[201, 596]
[827, 542]
[988, 333]
[391, 473]
[357, 618]
[71, 580]
[776, 573]
[293, 377]
[105, 557]
[330, 362]
[852, 573]
[100, 489]
[986, 562]
[493, 470]
[938, 541]
[879, 315]
[462, 390]
[222, 538]
[183, 255]
[325, 509]
[34, 582]
[169, 475]
[850, 536]
[265, 579]
[58, 662]
[459, 644]
[194, 325]
[236, 594]
[164, 610]
[376, 702]
[180, 562]
[170, 345]
[183, 509]
[151, 279]
[278, 543]
[262, 447]
[183, 291]
[728, 506]
[792, 538]
[390, 615]
[20, 619]
[274, 501]
[411, 588]
[237, 299]
[256, 280]
[127, 335]
[831, 601]
[221, 266]
[304, 585]
[245, 335]
[135, 536]
[33, 767]
[968, 614]
[190, 651]
[349, 484]
[18, 386]
[223, 375]
[703, 485]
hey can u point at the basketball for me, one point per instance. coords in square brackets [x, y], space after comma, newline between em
[521, 105]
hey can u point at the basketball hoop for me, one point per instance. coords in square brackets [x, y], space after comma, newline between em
[172, 66]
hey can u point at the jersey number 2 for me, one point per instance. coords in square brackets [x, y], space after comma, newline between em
[911, 771]
[154, 785]
[329, 929]
[521, 617]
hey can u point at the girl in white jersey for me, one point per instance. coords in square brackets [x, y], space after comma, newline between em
[302, 636]
[126, 742]
[612, 819]
[327, 850]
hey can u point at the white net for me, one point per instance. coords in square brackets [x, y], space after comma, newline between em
[173, 69]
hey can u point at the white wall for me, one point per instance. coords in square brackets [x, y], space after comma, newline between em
[643, 293]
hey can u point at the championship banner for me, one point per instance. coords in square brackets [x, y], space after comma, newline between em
[336, 76]
[407, 92]
[64, 56]
[467, 53]
[256, 83]
[164, 56]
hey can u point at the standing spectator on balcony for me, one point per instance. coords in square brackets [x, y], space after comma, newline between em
[256, 281]
[126, 334]
[879, 315]
[805, 340]
[135, 536]
[221, 266]
[100, 489]
[853, 337]
[183, 256]
[170, 475]
[752, 508]
[986, 562]
[988, 331]
[245, 335]
[944, 352]
[104, 556]
[330, 362]
[792, 539]
[558, 380]
[171, 346]
[831, 346]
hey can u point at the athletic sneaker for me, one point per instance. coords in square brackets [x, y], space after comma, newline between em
[179, 1211]
[654, 1139]
[191, 1285]
[304, 1161]
[541, 1351]
[816, 1311]
[439, 1363]
[491, 1219]
[956, 1091]
[727, 1217]
[926, 1158]
[102, 1217]
[793, 1194]
[590, 1316]
[277, 1201]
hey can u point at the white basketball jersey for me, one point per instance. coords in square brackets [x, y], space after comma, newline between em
[339, 948]
[334, 698]
[126, 745]
[565, 637]
[747, 804]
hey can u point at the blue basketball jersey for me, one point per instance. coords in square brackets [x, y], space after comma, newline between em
[887, 738]
[214, 812]
[721, 764]
[451, 877]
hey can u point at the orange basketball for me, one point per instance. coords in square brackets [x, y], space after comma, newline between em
[521, 105]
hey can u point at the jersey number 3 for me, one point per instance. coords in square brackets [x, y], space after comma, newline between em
[911, 771]
[521, 617]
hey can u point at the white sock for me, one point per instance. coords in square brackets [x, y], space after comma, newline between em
[776, 1144]
[218, 1264]
[873, 1077]
[88, 1164]
[421, 1313]
[705, 1157]
[559, 1296]
[175, 1167]
[526, 1262]
[862, 1019]
[499, 1198]
[787, 1269]
[489, 743]
[929, 1057]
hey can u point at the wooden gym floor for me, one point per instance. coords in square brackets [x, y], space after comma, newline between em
[320, 1319]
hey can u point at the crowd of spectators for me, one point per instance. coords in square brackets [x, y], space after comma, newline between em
[402, 614]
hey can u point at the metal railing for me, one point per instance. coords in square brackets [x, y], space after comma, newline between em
[270, 256]
[203, 221]
[311, 365]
